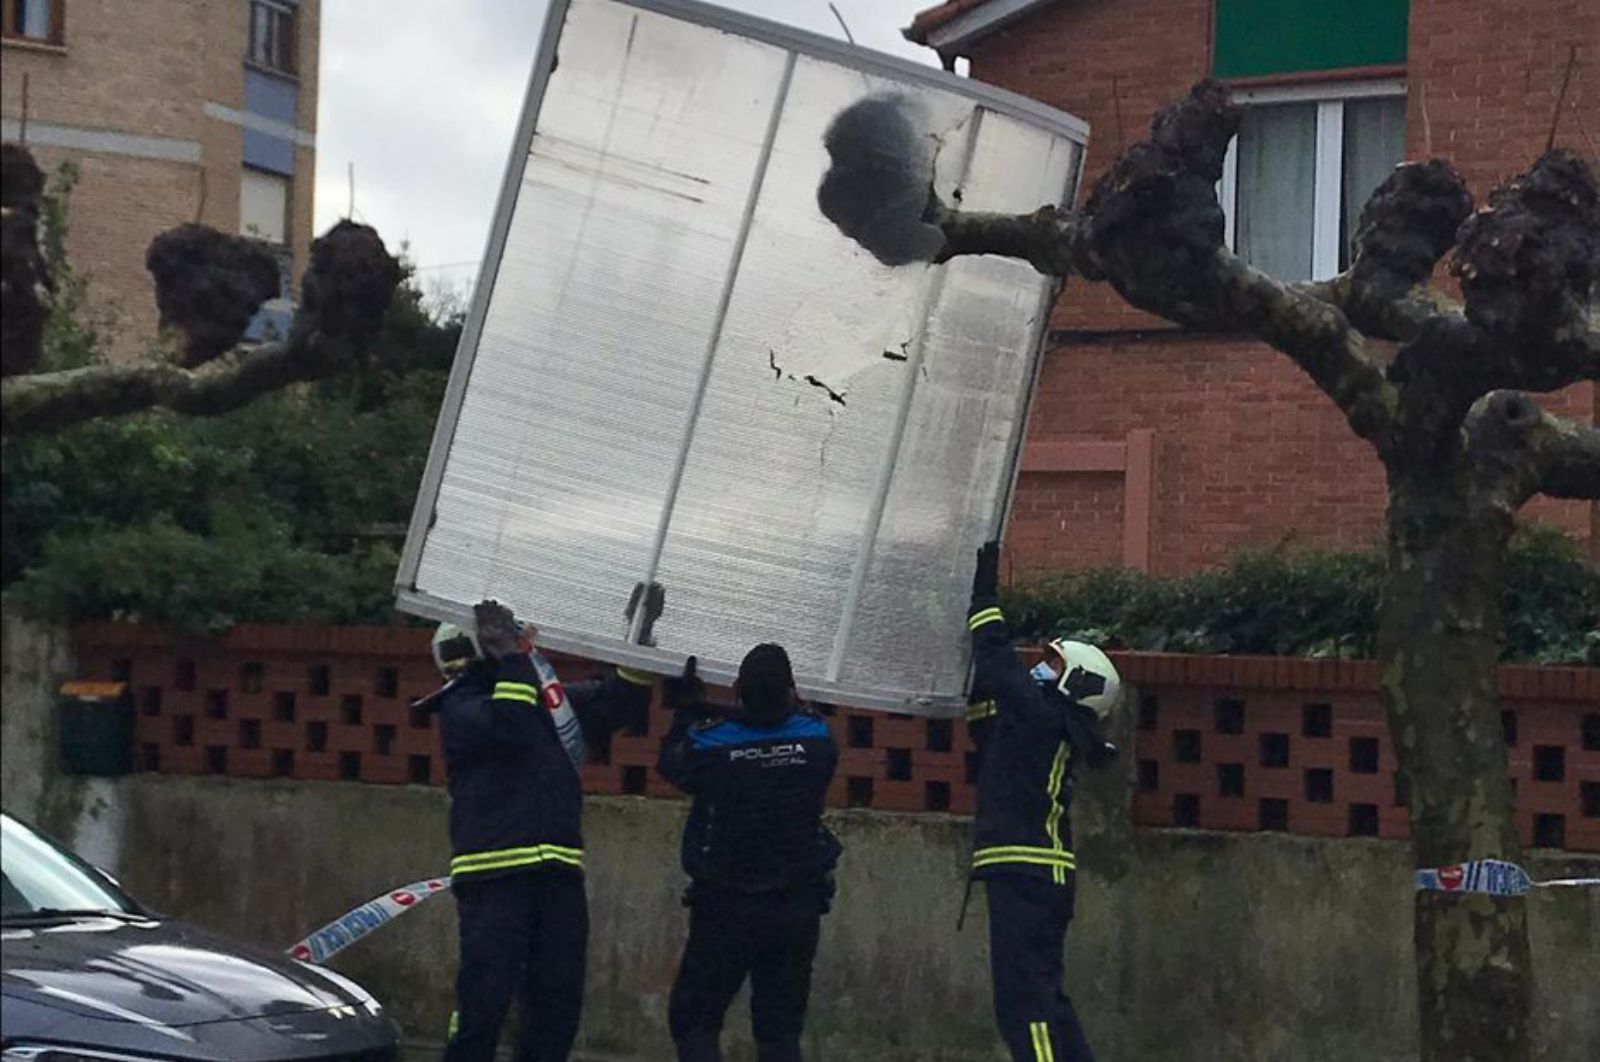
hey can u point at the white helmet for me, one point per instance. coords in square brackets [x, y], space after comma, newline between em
[1080, 656]
[454, 648]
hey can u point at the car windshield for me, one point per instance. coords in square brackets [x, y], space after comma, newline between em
[38, 878]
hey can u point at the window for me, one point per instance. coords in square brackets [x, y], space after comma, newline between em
[264, 205]
[1303, 165]
[33, 20]
[272, 42]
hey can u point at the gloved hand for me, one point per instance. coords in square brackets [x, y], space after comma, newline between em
[986, 577]
[654, 598]
[499, 634]
[687, 691]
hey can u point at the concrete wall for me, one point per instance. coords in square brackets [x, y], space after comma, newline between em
[1188, 946]
[36, 660]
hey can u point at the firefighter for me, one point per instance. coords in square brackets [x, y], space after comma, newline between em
[1033, 730]
[759, 859]
[512, 754]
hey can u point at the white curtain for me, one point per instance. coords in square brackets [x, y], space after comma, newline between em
[1374, 144]
[1277, 179]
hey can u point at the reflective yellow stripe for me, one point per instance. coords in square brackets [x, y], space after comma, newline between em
[981, 710]
[455, 1023]
[1029, 860]
[1046, 857]
[1052, 818]
[511, 864]
[1058, 854]
[516, 691]
[638, 678]
[988, 615]
[1042, 1051]
[502, 853]
[507, 858]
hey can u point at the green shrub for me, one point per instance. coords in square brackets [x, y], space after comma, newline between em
[283, 511]
[1283, 602]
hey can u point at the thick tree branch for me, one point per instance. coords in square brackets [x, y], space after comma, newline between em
[1568, 456]
[344, 297]
[1050, 240]
[1515, 450]
[49, 401]
[1152, 228]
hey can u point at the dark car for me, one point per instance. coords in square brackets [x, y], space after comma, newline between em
[89, 975]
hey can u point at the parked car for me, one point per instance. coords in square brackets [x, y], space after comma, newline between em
[87, 974]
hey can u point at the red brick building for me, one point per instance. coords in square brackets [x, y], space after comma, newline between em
[1160, 449]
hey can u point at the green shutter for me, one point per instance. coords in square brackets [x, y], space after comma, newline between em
[1256, 37]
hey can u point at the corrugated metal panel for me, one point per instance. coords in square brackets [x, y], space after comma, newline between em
[679, 369]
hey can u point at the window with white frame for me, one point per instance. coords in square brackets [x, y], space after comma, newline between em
[1303, 165]
[264, 205]
[272, 38]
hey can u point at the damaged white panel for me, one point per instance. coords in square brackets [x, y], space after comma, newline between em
[677, 369]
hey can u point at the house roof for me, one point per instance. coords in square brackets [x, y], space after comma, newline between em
[954, 24]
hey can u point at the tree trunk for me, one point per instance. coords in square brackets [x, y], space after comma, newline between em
[1438, 648]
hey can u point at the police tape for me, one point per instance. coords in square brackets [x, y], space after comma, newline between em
[377, 912]
[1489, 877]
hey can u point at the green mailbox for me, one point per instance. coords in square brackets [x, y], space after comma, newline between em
[95, 727]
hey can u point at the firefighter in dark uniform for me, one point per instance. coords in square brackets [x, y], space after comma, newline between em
[1032, 731]
[759, 859]
[511, 751]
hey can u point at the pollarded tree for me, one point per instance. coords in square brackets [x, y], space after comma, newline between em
[208, 286]
[1463, 446]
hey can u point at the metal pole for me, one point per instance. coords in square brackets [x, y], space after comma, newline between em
[675, 482]
[880, 498]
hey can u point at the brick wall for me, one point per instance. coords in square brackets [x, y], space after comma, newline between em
[1246, 449]
[1223, 743]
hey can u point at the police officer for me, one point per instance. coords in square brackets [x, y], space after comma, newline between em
[1032, 732]
[515, 801]
[759, 859]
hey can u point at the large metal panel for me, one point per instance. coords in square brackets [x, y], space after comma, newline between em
[676, 368]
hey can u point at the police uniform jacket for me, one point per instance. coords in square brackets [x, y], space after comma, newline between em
[755, 824]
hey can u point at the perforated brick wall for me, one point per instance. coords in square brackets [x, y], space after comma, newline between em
[1223, 743]
[1302, 746]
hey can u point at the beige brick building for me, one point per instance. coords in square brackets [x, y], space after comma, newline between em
[172, 111]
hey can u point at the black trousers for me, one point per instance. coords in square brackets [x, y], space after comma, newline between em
[523, 937]
[770, 938]
[1028, 920]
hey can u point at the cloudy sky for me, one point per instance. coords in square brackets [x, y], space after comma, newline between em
[421, 98]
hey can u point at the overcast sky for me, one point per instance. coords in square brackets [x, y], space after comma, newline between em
[422, 97]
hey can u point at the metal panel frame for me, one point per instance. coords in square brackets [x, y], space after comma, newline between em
[868, 61]
[797, 42]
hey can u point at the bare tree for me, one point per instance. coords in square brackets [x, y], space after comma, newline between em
[208, 287]
[1462, 444]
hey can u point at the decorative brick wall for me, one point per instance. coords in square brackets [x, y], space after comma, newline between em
[1225, 743]
[1262, 743]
